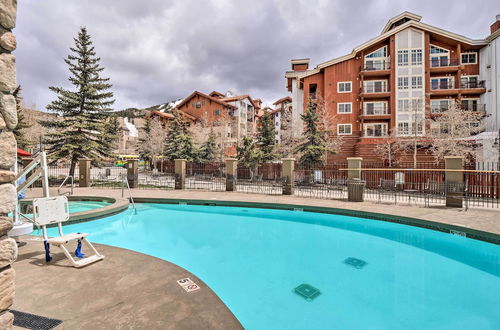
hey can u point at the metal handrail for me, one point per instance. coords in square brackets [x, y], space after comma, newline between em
[129, 193]
[64, 181]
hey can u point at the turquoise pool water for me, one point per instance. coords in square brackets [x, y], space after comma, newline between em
[254, 258]
[79, 206]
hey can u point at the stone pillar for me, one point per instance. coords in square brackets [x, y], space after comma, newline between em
[355, 187]
[8, 154]
[84, 169]
[180, 173]
[454, 181]
[133, 173]
[354, 168]
[231, 174]
[287, 173]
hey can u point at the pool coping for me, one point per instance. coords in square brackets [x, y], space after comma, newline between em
[411, 221]
[117, 205]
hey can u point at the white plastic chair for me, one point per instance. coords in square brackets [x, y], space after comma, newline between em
[50, 210]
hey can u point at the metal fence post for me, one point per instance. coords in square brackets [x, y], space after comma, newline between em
[133, 173]
[231, 174]
[180, 173]
[454, 181]
[84, 170]
[287, 173]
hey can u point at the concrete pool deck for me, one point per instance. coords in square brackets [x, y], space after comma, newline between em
[487, 220]
[126, 290]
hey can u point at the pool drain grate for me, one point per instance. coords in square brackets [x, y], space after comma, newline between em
[32, 321]
[307, 291]
[355, 262]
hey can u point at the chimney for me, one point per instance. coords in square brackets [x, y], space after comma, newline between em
[495, 26]
[301, 64]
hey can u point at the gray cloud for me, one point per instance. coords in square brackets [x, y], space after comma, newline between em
[156, 50]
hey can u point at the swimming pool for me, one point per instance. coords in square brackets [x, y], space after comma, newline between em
[402, 277]
[80, 206]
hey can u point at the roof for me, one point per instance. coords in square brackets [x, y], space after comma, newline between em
[22, 153]
[171, 116]
[283, 99]
[211, 98]
[413, 22]
[403, 15]
[239, 98]
[216, 94]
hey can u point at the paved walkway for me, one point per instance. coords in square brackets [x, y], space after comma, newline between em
[480, 219]
[126, 290]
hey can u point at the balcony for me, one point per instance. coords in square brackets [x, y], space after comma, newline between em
[376, 113]
[443, 65]
[480, 108]
[443, 88]
[376, 91]
[376, 68]
[472, 87]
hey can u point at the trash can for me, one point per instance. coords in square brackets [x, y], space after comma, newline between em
[355, 190]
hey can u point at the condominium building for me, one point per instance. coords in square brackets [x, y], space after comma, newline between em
[280, 119]
[397, 81]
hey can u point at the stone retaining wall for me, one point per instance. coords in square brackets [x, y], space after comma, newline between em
[8, 120]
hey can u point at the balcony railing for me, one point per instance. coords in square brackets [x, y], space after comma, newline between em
[376, 89]
[474, 107]
[443, 62]
[472, 84]
[442, 85]
[376, 111]
[376, 65]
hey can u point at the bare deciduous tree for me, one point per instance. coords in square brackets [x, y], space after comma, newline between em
[388, 149]
[453, 130]
[153, 141]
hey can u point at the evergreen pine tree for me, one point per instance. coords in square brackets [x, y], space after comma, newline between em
[22, 141]
[314, 147]
[266, 137]
[207, 150]
[110, 133]
[144, 140]
[84, 109]
[249, 155]
[178, 143]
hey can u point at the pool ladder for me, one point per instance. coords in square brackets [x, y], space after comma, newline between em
[129, 194]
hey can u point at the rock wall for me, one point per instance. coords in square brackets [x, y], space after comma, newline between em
[8, 120]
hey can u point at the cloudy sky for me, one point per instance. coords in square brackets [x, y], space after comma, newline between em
[159, 50]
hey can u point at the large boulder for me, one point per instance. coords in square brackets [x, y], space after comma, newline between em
[7, 288]
[8, 252]
[8, 110]
[8, 81]
[7, 150]
[8, 10]
[6, 224]
[8, 41]
[6, 320]
[8, 198]
[7, 176]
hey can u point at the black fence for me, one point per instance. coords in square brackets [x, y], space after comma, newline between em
[265, 179]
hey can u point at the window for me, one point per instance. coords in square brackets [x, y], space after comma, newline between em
[312, 91]
[407, 128]
[416, 56]
[344, 129]
[217, 112]
[344, 108]
[375, 129]
[442, 83]
[438, 106]
[439, 56]
[403, 83]
[375, 108]
[344, 87]
[402, 57]
[409, 105]
[470, 105]
[469, 58]
[470, 82]
[375, 86]
[377, 60]
[381, 52]
[198, 105]
[416, 82]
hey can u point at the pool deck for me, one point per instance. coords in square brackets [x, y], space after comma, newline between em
[126, 290]
[487, 220]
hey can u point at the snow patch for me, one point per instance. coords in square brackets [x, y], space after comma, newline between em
[131, 128]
